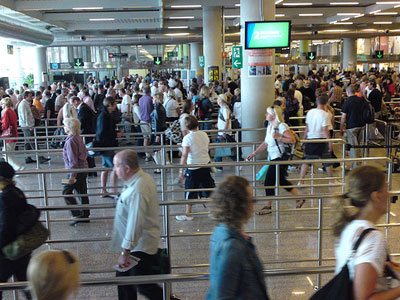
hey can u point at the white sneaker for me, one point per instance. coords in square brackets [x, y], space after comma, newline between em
[184, 218]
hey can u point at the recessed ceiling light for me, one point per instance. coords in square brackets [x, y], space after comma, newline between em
[87, 8]
[232, 17]
[237, 4]
[177, 34]
[178, 27]
[279, 15]
[177, 18]
[392, 13]
[102, 19]
[297, 4]
[383, 23]
[186, 6]
[310, 15]
[344, 3]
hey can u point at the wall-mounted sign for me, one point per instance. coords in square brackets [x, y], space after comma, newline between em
[237, 57]
[201, 61]
[119, 55]
[311, 55]
[157, 60]
[10, 49]
[260, 62]
[379, 54]
[213, 73]
[78, 63]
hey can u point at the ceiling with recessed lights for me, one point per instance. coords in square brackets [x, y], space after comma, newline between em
[180, 21]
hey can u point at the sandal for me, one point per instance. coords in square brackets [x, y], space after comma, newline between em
[300, 203]
[264, 211]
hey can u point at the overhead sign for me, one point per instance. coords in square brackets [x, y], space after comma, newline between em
[213, 73]
[379, 54]
[117, 55]
[311, 55]
[10, 49]
[268, 34]
[237, 57]
[224, 54]
[172, 54]
[260, 62]
[201, 61]
[157, 60]
[78, 63]
[57, 66]
[54, 66]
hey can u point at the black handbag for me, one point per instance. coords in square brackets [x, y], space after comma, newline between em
[340, 286]
[163, 262]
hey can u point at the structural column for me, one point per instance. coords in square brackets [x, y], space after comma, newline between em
[196, 50]
[71, 54]
[304, 49]
[257, 92]
[41, 67]
[349, 54]
[212, 28]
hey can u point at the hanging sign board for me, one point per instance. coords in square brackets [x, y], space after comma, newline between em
[260, 62]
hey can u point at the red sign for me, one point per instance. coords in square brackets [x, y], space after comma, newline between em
[110, 55]
[224, 54]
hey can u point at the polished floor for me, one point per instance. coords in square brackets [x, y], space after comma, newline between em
[296, 245]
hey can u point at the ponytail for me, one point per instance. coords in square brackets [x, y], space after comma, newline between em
[343, 215]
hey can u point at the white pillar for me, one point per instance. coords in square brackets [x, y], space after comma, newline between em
[304, 49]
[212, 28]
[349, 54]
[196, 50]
[70, 54]
[41, 67]
[20, 71]
[257, 91]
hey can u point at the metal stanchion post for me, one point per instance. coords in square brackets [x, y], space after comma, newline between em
[254, 172]
[319, 249]
[343, 165]
[36, 148]
[46, 203]
[389, 170]
[277, 174]
[47, 133]
[237, 153]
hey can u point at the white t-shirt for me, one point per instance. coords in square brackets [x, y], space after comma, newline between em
[170, 107]
[316, 120]
[60, 101]
[182, 118]
[154, 90]
[278, 86]
[178, 94]
[124, 104]
[299, 96]
[273, 151]
[225, 112]
[198, 142]
[136, 113]
[237, 111]
[69, 111]
[372, 250]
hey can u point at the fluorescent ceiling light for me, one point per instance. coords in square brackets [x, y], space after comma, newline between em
[388, 2]
[87, 8]
[297, 4]
[186, 6]
[375, 11]
[232, 17]
[344, 23]
[178, 27]
[177, 34]
[278, 1]
[310, 15]
[395, 30]
[348, 14]
[102, 19]
[279, 15]
[377, 23]
[177, 18]
[345, 19]
[392, 13]
[336, 30]
[135, 7]
[359, 16]
[369, 29]
[143, 51]
[344, 3]
[238, 4]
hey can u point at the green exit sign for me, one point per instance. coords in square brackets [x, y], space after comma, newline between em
[157, 60]
[311, 55]
[379, 54]
[237, 57]
[201, 61]
[78, 63]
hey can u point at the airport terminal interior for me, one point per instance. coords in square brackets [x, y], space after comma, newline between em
[253, 55]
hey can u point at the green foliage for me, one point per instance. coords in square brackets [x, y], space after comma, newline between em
[29, 80]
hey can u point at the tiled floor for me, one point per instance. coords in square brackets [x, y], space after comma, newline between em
[294, 247]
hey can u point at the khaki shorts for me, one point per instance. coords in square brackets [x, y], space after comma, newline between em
[146, 129]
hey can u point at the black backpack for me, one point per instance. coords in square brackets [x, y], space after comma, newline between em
[368, 113]
[340, 286]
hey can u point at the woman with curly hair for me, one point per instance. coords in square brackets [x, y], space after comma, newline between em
[236, 271]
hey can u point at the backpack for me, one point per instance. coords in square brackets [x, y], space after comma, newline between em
[292, 150]
[340, 286]
[173, 132]
[368, 113]
[292, 107]
[198, 110]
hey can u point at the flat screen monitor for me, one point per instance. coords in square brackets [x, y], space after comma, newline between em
[267, 34]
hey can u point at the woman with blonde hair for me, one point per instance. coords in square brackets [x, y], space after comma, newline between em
[75, 154]
[235, 269]
[276, 139]
[206, 107]
[360, 208]
[53, 275]
[9, 129]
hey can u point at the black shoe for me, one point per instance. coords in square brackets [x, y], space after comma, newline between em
[29, 160]
[78, 220]
[174, 297]
[43, 160]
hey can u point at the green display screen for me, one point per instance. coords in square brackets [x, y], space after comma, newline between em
[273, 34]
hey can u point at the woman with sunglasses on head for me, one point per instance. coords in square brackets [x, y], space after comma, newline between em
[53, 275]
[276, 139]
[236, 271]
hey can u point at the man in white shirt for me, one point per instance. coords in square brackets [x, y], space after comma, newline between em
[299, 96]
[154, 88]
[60, 100]
[278, 85]
[136, 225]
[27, 122]
[126, 102]
[317, 123]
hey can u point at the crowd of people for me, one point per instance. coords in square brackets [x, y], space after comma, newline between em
[148, 106]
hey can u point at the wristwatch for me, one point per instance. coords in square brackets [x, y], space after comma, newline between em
[125, 253]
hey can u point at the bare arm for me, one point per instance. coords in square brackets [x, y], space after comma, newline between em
[185, 153]
[260, 148]
[342, 122]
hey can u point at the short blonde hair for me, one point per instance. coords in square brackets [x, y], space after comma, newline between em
[7, 102]
[73, 126]
[53, 274]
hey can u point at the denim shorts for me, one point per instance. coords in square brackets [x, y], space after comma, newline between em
[107, 159]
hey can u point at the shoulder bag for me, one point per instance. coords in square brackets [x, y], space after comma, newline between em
[341, 287]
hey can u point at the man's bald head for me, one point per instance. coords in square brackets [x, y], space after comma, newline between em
[128, 158]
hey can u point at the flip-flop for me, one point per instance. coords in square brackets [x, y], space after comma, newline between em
[107, 196]
[264, 211]
[300, 203]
